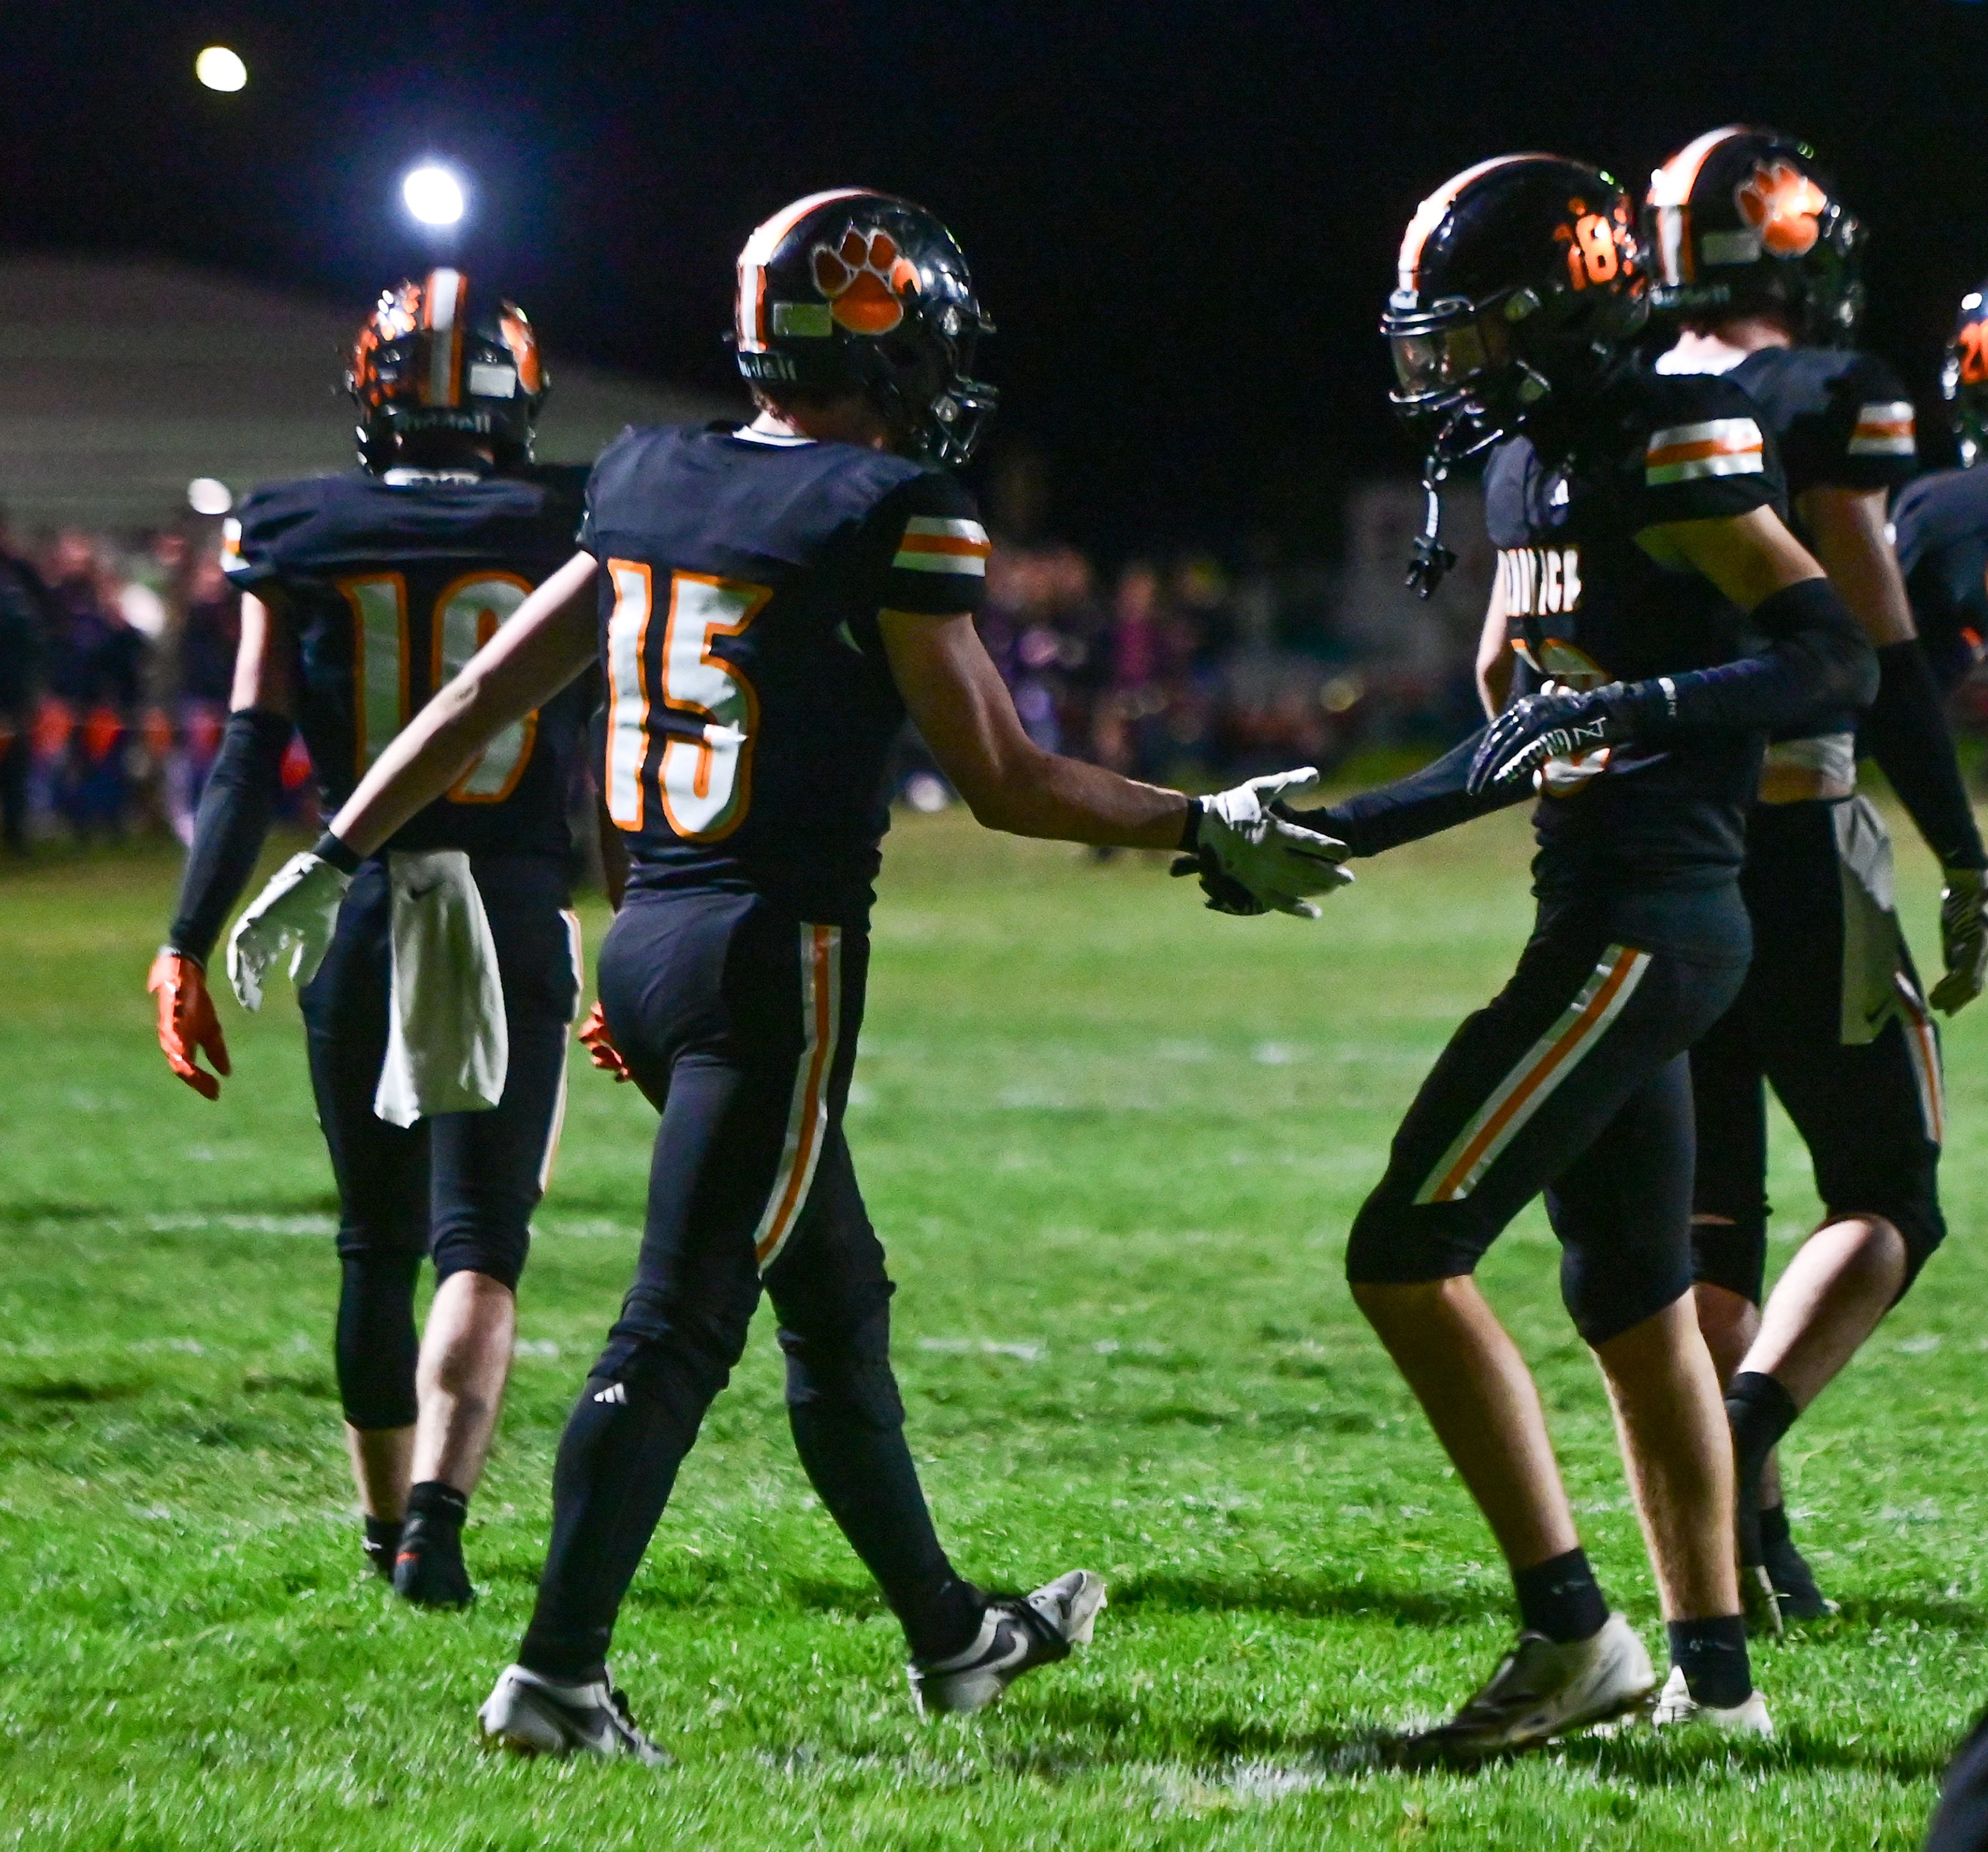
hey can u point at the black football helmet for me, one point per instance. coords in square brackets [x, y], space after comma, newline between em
[854, 291]
[434, 364]
[1744, 220]
[1520, 284]
[1963, 377]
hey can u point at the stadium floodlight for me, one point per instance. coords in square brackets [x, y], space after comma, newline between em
[221, 69]
[434, 195]
[206, 496]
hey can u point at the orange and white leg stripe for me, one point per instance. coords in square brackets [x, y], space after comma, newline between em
[1543, 1067]
[1923, 1045]
[807, 1118]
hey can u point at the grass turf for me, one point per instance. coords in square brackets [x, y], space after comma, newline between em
[1113, 1143]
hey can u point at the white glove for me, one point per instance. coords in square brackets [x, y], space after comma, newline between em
[1963, 939]
[1275, 861]
[298, 909]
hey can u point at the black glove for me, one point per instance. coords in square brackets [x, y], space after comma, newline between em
[1225, 894]
[1555, 723]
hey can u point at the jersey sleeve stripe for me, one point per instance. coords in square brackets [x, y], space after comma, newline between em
[934, 526]
[933, 545]
[1718, 446]
[1885, 429]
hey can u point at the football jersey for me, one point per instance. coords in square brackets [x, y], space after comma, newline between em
[1838, 420]
[390, 585]
[1585, 605]
[1940, 524]
[751, 708]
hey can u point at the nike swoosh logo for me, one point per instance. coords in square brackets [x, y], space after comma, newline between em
[421, 893]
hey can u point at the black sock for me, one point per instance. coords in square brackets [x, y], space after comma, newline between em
[1713, 1656]
[1774, 1525]
[437, 1504]
[1760, 1411]
[383, 1543]
[1561, 1599]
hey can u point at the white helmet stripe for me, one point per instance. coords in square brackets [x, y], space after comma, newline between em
[1430, 213]
[441, 303]
[750, 324]
[1670, 200]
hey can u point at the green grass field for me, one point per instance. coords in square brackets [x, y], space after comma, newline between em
[1114, 1143]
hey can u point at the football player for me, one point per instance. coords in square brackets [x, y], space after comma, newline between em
[769, 603]
[1756, 261]
[363, 594]
[1641, 550]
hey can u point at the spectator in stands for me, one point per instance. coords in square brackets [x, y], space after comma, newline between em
[203, 678]
[25, 616]
[96, 667]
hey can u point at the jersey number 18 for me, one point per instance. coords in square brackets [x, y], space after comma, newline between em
[701, 707]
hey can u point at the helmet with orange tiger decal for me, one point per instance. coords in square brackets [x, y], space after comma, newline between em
[438, 374]
[1519, 285]
[1963, 376]
[1744, 220]
[853, 291]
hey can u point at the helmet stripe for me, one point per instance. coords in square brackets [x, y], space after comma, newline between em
[1430, 212]
[751, 312]
[1670, 199]
[441, 314]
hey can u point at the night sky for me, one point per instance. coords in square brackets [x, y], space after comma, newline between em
[1182, 217]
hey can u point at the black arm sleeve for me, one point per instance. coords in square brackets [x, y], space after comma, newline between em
[1419, 805]
[1906, 732]
[235, 810]
[1816, 663]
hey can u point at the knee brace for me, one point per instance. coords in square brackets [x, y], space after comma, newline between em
[1732, 1254]
[846, 1373]
[376, 1345]
[1608, 1291]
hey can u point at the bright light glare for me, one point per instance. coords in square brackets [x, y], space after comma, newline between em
[206, 496]
[221, 69]
[434, 195]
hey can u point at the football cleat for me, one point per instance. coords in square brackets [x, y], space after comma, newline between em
[1016, 1636]
[532, 1715]
[1543, 1690]
[1677, 1706]
[428, 1568]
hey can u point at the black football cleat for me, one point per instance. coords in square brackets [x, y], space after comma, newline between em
[428, 1568]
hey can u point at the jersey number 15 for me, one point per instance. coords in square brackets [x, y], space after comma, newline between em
[466, 615]
[701, 707]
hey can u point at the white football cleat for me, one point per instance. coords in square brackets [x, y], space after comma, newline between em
[1677, 1706]
[1016, 1636]
[1543, 1690]
[534, 1715]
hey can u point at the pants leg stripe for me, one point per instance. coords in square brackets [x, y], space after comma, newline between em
[573, 940]
[807, 1118]
[1543, 1067]
[1922, 1044]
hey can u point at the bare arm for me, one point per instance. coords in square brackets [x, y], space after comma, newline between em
[1495, 660]
[552, 637]
[961, 705]
[265, 660]
[1847, 526]
[1750, 557]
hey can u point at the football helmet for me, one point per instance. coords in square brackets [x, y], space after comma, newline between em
[433, 363]
[1963, 377]
[1521, 284]
[853, 291]
[1744, 219]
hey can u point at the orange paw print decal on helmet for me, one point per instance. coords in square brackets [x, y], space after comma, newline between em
[865, 278]
[1783, 205]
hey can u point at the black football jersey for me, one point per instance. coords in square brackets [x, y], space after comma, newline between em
[391, 584]
[751, 709]
[1940, 524]
[1585, 605]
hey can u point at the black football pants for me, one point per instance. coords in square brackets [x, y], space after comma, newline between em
[739, 1023]
[1572, 1081]
[461, 1186]
[1869, 1110]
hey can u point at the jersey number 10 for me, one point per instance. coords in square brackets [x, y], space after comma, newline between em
[708, 711]
[465, 618]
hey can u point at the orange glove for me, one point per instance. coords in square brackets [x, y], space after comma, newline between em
[187, 1024]
[599, 1046]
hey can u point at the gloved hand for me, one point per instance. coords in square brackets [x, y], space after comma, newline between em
[1555, 723]
[1963, 939]
[1251, 860]
[600, 1046]
[187, 1024]
[297, 913]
